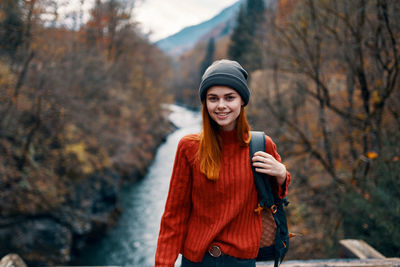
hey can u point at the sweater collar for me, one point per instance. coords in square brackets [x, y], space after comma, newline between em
[228, 137]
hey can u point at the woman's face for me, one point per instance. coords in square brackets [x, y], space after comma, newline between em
[223, 105]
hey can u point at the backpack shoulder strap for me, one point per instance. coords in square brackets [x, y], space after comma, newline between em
[257, 143]
[267, 200]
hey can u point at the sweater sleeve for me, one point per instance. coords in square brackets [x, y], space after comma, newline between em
[177, 209]
[280, 191]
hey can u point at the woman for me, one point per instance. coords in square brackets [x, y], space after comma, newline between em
[209, 215]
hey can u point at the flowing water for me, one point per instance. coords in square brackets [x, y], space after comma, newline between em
[133, 240]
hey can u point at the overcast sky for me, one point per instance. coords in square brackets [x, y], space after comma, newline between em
[160, 18]
[165, 17]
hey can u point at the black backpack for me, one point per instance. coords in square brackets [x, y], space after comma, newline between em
[278, 250]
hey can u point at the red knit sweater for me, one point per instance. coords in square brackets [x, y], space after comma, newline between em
[200, 213]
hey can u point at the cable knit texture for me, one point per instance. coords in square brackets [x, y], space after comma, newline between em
[200, 213]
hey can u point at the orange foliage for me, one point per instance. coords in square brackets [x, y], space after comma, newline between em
[284, 9]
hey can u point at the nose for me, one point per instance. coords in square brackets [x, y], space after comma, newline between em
[221, 104]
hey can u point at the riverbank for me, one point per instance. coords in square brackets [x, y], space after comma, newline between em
[47, 218]
[133, 239]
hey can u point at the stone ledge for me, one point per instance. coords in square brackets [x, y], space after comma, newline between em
[353, 248]
[12, 260]
[392, 262]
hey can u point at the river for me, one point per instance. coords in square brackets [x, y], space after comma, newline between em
[133, 240]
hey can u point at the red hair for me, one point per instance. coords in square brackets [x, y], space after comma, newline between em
[210, 148]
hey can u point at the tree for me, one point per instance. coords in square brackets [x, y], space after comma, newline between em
[81, 111]
[209, 57]
[11, 26]
[244, 46]
[342, 58]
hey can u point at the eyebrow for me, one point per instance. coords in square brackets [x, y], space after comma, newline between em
[211, 94]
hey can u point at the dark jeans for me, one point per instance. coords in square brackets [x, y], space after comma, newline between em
[222, 261]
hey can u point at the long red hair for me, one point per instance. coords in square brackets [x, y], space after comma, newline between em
[209, 154]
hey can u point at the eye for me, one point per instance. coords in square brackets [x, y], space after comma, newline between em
[212, 98]
[230, 97]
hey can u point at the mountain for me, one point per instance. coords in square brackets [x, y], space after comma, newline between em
[218, 26]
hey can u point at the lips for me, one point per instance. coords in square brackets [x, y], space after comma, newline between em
[222, 115]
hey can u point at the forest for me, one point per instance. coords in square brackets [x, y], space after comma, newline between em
[80, 115]
[82, 111]
[326, 87]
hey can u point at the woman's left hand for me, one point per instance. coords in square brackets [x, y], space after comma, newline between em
[266, 163]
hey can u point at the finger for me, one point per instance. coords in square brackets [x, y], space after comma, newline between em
[263, 156]
[263, 166]
[259, 164]
[267, 161]
[261, 153]
[258, 158]
[265, 171]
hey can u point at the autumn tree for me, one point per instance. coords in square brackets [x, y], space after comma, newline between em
[80, 108]
[11, 26]
[244, 46]
[209, 57]
[330, 95]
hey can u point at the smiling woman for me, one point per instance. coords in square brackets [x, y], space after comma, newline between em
[209, 215]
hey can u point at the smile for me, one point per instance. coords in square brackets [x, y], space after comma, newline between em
[222, 115]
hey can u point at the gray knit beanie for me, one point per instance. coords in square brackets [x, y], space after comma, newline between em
[228, 73]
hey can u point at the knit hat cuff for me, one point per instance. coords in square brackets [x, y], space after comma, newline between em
[225, 79]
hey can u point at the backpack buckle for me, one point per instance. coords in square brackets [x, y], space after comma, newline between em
[274, 209]
[258, 209]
